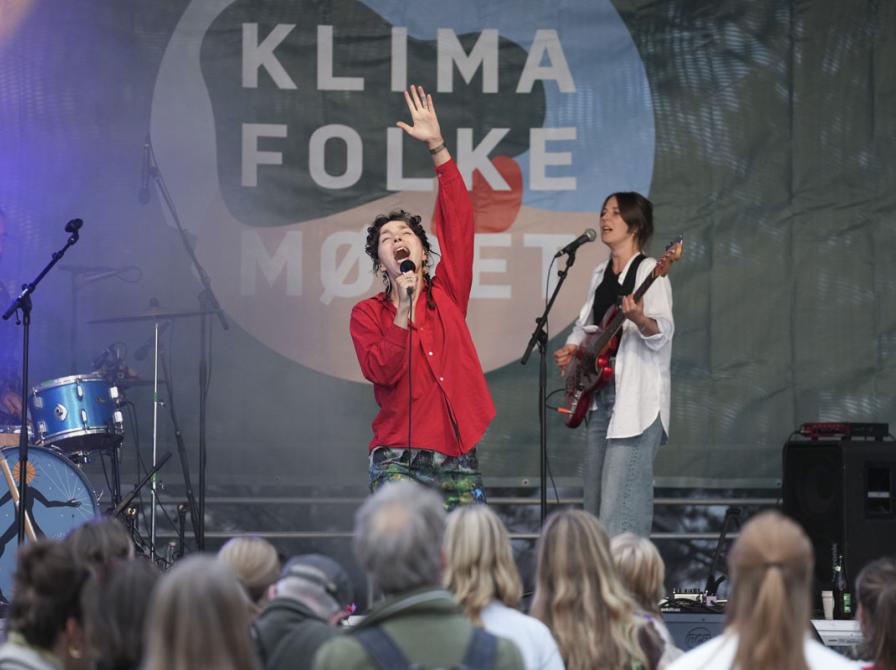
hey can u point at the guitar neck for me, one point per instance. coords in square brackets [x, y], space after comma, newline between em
[646, 284]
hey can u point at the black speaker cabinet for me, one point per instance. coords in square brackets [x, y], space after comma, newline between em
[842, 492]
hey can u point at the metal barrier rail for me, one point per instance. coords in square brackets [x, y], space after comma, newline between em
[494, 500]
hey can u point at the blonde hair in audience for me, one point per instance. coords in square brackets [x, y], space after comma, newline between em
[771, 566]
[198, 620]
[876, 594]
[641, 569]
[255, 562]
[579, 597]
[479, 563]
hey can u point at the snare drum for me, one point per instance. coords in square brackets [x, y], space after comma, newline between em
[59, 496]
[76, 413]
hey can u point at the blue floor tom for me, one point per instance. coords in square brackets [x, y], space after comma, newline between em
[78, 413]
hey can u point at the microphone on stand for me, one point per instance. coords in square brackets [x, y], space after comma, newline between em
[143, 193]
[408, 266]
[588, 236]
[73, 226]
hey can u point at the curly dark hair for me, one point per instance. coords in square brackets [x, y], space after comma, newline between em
[373, 242]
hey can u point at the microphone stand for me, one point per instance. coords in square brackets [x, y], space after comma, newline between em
[732, 518]
[23, 303]
[208, 302]
[410, 351]
[540, 338]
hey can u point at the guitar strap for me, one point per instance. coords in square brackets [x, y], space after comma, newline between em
[609, 292]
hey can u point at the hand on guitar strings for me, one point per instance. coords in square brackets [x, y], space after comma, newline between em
[634, 312]
[564, 355]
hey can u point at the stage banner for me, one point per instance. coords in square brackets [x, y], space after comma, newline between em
[764, 133]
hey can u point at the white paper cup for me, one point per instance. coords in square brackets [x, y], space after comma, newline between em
[827, 603]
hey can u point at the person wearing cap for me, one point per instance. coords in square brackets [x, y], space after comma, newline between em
[398, 541]
[312, 596]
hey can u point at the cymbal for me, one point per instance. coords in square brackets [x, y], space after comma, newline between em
[151, 315]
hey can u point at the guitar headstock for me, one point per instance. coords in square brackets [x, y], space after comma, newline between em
[673, 252]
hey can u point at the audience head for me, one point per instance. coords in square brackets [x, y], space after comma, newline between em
[100, 541]
[580, 598]
[255, 563]
[398, 537]
[45, 607]
[198, 619]
[114, 602]
[319, 582]
[770, 567]
[479, 566]
[876, 594]
[641, 570]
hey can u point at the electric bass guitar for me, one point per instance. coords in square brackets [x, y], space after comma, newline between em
[592, 365]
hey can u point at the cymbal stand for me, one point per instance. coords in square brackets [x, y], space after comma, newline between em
[153, 487]
[178, 437]
[207, 301]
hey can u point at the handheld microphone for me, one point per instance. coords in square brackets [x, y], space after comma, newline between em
[407, 265]
[588, 236]
[143, 193]
[73, 226]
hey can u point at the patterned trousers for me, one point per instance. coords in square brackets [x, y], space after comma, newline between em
[456, 478]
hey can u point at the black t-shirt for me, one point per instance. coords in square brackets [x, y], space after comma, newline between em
[609, 291]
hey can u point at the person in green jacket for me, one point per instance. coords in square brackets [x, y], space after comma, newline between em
[397, 540]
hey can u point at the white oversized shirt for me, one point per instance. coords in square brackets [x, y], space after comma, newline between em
[641, 371]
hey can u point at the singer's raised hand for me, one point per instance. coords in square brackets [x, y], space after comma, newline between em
[425, 122]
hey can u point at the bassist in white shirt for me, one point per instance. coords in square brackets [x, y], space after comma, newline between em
[629, 416]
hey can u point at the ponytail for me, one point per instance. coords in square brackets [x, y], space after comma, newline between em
[771, 636]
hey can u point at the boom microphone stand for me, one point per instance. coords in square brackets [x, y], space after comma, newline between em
[23, 303]
[540, 338]
[207, 302]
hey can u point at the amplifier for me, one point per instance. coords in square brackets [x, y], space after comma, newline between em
[690, 630]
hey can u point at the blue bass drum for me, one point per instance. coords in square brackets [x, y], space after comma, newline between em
[77, 413]
[59, 499]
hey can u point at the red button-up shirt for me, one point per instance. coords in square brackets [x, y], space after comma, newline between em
[451, 403]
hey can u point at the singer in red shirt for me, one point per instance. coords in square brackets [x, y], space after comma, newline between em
[431, 419]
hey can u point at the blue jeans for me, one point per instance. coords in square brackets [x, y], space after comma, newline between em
[618, 477]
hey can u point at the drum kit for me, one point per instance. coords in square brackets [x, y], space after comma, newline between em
[73, 419]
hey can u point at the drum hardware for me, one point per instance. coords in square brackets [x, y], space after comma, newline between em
[77, 413]
[22, 304]
[14, 495]
[208, 304]
[60, 498]
[84, 275]
[161, 320]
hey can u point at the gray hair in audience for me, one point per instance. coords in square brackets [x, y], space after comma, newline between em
[310, 593]
[398, 537]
